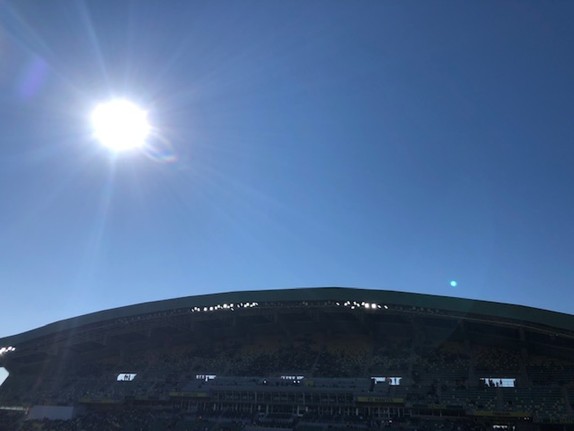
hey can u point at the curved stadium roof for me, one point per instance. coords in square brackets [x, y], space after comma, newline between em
[457, 307]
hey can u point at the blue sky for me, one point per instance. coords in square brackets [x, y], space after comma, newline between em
[373, 144]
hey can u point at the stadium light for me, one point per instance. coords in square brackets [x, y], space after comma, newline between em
[4, 350]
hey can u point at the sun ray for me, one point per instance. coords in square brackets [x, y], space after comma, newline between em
[94, 246]
[93, 37]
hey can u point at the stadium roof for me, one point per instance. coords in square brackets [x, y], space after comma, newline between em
[450, 305]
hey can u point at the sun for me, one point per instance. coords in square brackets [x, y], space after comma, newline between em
[120, 125]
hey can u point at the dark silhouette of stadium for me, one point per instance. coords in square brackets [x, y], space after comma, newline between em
[305, 359]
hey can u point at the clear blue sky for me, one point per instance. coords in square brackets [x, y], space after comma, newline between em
[377, 144]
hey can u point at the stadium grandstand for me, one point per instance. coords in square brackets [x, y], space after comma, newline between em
[303, 359]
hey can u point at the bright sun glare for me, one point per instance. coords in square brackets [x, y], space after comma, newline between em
[120, 125]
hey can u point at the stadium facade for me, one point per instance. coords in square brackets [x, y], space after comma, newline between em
[296, 358]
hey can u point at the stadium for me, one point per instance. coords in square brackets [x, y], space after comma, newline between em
[304, 359]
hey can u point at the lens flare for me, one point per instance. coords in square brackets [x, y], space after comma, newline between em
[159, 149]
